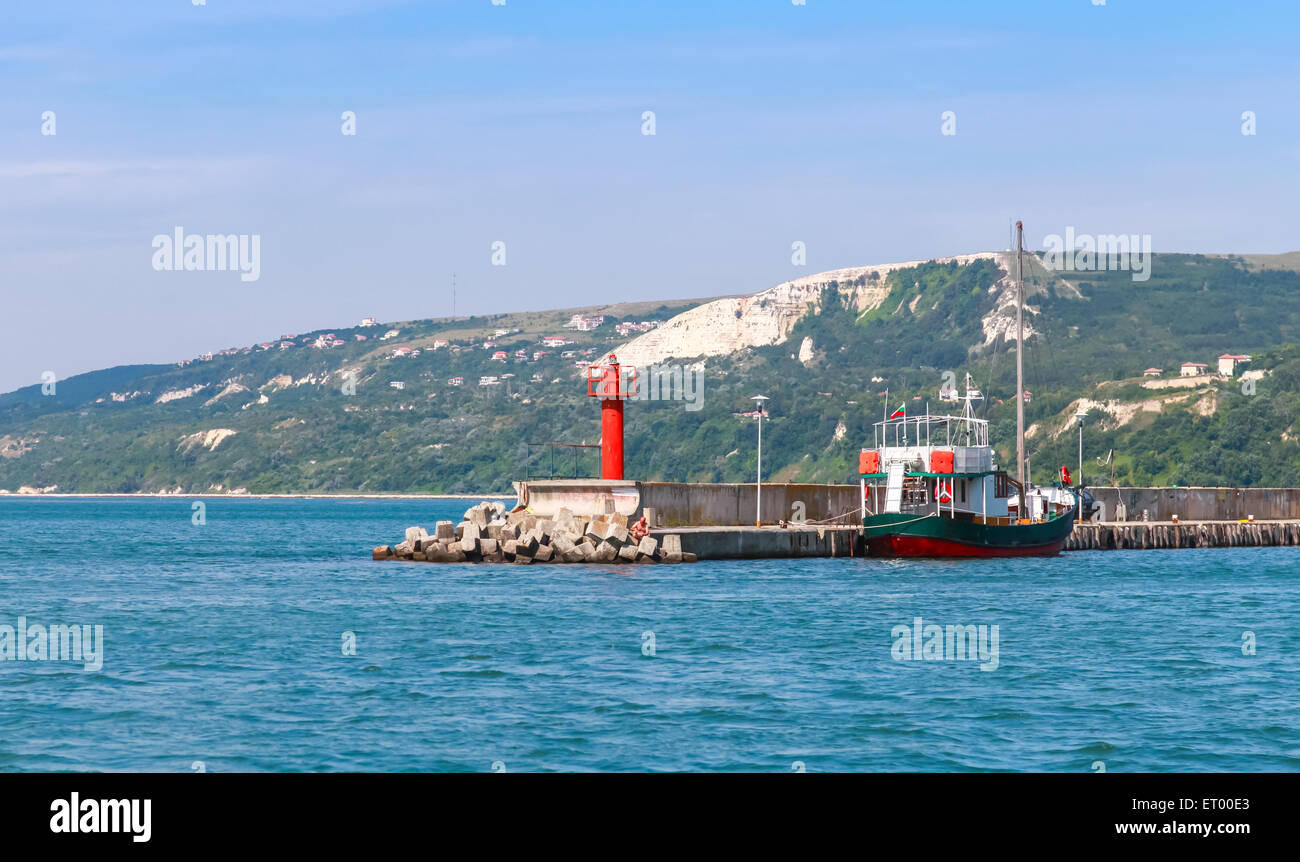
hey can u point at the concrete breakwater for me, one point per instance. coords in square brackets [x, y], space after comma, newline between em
[1170, 534]
[696, 504]
[488, 534]
[1197, 504]
[491, 534]
[709, 504]
[765, 543]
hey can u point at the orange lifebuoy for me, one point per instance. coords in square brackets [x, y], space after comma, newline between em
[945, 492]
[866, 491]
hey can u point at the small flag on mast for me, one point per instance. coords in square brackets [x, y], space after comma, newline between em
[900, 413]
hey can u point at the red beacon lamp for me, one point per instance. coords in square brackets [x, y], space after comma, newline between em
[612, 384]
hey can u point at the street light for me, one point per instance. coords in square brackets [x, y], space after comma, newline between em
[758, 508]
[1080, 416]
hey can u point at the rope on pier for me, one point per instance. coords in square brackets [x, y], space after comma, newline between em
[855, 510]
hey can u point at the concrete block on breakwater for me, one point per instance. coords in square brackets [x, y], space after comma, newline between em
[488, 534]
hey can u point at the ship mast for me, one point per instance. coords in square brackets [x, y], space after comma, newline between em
[1020, 353]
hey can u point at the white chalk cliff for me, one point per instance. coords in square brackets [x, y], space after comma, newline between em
[726, 325]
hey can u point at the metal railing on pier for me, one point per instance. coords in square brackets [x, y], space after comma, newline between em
[561, 460]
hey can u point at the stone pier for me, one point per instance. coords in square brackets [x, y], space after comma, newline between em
[1149, 535]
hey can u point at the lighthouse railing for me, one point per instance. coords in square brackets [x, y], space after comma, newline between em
[559, 461]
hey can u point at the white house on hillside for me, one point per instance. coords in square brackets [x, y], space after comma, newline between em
[1228, 363]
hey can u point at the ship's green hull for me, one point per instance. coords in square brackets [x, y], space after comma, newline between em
[909, 535]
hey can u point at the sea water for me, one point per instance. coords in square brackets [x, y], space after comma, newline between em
[261, 636]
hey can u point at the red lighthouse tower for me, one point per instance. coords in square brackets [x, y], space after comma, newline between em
[612, 384]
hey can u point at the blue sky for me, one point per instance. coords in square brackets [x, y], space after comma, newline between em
[522, 123]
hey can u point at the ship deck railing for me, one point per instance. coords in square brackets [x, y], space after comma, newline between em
[932, 475]
[954, 428]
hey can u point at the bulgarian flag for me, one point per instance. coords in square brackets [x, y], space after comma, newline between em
[900, 413]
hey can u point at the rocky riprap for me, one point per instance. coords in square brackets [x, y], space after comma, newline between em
[488, 534]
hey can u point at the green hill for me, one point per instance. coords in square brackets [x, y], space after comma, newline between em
[308, 419]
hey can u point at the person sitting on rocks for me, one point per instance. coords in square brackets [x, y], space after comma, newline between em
[640, 529]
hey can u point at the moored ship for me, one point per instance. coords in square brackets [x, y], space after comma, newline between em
[931, 486]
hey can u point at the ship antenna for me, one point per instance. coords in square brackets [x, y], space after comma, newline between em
[1020, 354]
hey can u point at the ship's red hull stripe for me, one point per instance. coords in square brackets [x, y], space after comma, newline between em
[925, 546]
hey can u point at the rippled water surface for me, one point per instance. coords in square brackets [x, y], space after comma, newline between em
[223, 645]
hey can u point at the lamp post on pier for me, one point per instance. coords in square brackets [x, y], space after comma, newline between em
[1080, 416]
[758, 509]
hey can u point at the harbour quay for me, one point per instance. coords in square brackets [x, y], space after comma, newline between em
[1161, 535]
[595, 521]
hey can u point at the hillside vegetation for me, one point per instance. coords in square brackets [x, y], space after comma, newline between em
[327, 419]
